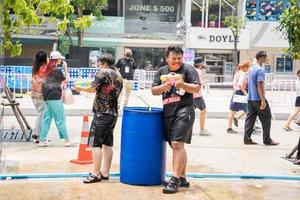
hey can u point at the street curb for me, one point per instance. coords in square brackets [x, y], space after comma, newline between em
[81, 112]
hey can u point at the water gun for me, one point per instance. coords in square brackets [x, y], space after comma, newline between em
[83, 83]
[172, 78]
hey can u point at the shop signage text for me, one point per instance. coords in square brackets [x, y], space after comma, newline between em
[216, 38]
[151, 8]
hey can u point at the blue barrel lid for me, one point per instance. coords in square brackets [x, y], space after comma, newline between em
[143, 110]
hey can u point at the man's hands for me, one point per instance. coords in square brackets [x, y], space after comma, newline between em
[78, 88]
[167, 86]
[179, 84]
[263, 104]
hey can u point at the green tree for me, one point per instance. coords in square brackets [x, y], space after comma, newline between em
[235, 24]
[82, 18]
[27, 13]
[289, 25]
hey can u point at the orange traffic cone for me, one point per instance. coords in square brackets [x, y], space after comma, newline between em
[84, 153]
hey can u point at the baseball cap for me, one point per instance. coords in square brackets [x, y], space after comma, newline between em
[198, 60]
[56, 55]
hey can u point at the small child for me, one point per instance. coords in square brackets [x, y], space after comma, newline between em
[297, 105]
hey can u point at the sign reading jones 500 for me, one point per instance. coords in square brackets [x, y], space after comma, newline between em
[151, 8]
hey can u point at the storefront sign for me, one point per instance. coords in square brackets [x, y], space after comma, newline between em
[216, 38]
[153, 10]
[108, 25]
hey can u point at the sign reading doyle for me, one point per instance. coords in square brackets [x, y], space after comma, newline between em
[216, 38]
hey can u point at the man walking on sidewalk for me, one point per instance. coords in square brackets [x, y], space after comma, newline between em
[257, 103]
[177, 82]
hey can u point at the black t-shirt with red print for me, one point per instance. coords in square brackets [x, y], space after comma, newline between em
[108, 84]
[174, 100]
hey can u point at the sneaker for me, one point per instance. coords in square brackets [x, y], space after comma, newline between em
[46, 143]
[204, 132]
[172, 186]
[287, 128]
[35, 138]
[236, 122]
[231, 131]
[68, 143]
[183, 182]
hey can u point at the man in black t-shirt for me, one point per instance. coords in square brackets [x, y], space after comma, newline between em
[126, 66]
[177, 82]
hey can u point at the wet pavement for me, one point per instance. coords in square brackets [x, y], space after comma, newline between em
[217, 153]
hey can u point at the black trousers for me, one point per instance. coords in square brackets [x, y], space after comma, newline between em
[264, 116]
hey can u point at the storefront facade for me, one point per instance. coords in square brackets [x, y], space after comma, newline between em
[214, 42]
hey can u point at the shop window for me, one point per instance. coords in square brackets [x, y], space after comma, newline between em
[217, 11]
[149, 59]
[284, 64]
[265, 10]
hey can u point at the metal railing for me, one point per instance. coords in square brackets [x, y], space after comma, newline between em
[282, 92]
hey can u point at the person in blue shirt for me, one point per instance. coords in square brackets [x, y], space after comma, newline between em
[257, 103]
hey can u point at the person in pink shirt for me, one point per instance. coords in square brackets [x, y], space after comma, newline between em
[198, 98]
[239, 88]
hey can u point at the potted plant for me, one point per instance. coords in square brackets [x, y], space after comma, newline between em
[212, 20]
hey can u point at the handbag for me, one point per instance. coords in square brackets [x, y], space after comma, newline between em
[240, 98]
[67, 96]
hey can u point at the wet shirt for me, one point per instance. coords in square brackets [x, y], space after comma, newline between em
[173, 100]
[255, 74]
[108, 84]
[126, 67]
[52, 85]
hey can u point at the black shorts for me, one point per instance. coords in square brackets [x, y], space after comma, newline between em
[102, 129]
[199, 103]
[297, 103]
[180, 127]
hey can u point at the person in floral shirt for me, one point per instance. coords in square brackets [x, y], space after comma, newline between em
[107, 85]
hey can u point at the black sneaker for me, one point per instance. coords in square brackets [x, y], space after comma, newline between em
[183, 182]
[172, 186]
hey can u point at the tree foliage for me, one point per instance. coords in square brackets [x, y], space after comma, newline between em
[82, 18]
[235, 24]
[67, 13]
[289, 25]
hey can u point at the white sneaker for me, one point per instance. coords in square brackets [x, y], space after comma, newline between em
[68, 143]
[46, 143]
[204, 132]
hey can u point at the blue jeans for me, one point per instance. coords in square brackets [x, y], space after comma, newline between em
[54, 109]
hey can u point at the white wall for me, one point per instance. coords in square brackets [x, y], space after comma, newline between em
[263, 34]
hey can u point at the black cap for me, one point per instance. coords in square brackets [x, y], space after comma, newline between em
[198, 60]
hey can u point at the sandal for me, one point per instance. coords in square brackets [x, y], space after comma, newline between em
[296, 161]
[104, 177]
[92, 179]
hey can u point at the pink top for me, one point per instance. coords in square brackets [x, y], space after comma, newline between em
[235, 81]
[36, 84]
[202, 82]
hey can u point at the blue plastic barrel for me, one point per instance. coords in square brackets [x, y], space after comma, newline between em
[143, 150]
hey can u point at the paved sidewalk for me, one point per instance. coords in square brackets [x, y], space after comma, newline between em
[217, 102]
[217, 153]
